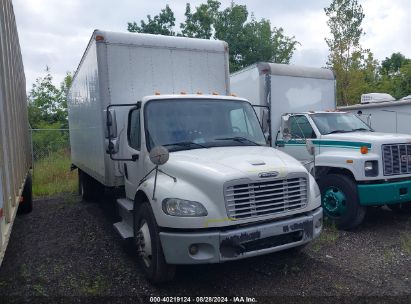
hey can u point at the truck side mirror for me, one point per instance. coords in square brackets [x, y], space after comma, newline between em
[310, 146]
[159, 155]
[112, 146]
[285, 128]
[111, 124]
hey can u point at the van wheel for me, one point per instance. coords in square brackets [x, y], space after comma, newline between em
[89, 188]
[340, 202]
[404, 208]
[148, 245]
[26, 205]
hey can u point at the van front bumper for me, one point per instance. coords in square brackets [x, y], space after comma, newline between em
[384, 193]
[220, 246]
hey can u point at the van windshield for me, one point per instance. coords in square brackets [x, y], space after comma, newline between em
[329, 123]
[201, 123]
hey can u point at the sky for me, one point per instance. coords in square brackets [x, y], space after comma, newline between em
[55, 33]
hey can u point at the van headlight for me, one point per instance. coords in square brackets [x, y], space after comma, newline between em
[184, 208]
[371, 168]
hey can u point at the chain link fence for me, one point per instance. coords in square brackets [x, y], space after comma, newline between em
[51, 162]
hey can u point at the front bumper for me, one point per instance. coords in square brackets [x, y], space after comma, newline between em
[221, 246]
[385, 193]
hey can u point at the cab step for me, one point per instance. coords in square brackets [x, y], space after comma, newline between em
[125, 231]
[125, 226]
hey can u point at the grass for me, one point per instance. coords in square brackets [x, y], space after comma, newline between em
[406, 242]
[52, 175]
[329, 235]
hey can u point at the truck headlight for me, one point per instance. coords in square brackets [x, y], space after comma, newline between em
[184, 208]
[371, 168]
[317, 191]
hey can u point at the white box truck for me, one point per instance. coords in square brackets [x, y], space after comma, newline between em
[355, 167]
[200, 184]
[383, 113]
[15, 148]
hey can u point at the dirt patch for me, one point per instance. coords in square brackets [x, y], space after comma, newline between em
[67, 247]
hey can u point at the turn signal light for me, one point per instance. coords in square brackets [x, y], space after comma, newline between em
[99, 38]
[364, 150]
[233, 94]
[200, 93]
[157, 93]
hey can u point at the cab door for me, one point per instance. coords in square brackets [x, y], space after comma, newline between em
[300, 130]
[133, 171]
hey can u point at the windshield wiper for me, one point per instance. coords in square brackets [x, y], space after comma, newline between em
[337, 131]
[239, 139]
[186, 144]
[361, 129]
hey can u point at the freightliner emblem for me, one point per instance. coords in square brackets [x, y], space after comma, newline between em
[268, 174]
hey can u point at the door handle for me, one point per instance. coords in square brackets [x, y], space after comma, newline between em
[125, 170]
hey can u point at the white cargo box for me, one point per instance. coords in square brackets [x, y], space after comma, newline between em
[121, 68]
[285, 88]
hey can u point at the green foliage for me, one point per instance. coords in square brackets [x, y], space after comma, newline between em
[346, 56]
[53, 176]
[162, 24]
[47, 104]
[249, 41]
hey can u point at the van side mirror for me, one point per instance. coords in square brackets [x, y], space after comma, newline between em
[111, 124]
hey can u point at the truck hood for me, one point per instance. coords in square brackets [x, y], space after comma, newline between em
[369, 137]
[227, 163]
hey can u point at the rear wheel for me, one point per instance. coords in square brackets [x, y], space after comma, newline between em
[89, 188]
[26, 203]
[148, 245]
[340, 202]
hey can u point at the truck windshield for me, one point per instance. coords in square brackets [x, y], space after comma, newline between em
[329, 123]
[201, 123]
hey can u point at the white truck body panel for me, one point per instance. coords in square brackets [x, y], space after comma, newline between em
[390, 117]
[120, 69]
[15, 149]
[294, 88]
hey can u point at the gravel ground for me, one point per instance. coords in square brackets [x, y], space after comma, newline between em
[67, 248]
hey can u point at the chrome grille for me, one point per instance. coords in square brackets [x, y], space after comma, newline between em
[259, 198]
[396, 159]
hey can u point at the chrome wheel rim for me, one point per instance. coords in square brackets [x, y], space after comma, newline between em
[144, 244]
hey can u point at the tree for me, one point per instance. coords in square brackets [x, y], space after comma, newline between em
[200, 23]
[249, 41]
[161, 24]
[344, 19]
[47, 104]
[393, 64]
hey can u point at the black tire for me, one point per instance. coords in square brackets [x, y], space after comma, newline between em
[26, 203]
[348, 214]
[404, 208]
[89, 188]
[156, 269]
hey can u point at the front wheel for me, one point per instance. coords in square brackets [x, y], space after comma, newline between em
[148, 245]
[340, 202]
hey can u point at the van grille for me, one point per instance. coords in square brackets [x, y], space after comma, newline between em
[396, 159]
[246, 200]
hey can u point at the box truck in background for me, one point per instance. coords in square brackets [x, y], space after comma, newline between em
[15, 148]
[383, 113]
[200, 184]
[355, 167]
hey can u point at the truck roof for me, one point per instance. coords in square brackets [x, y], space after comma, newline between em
[319, 112]
[151, 40]
[290, 70]
[192, 96]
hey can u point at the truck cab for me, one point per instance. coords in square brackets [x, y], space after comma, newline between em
[222, 194]
[355, 166]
